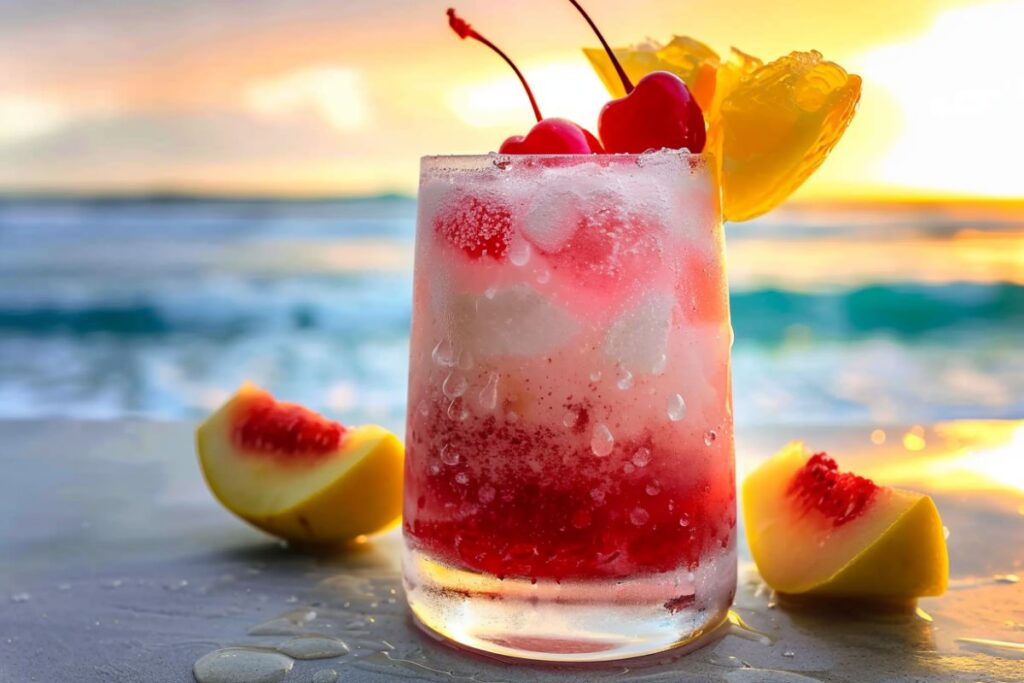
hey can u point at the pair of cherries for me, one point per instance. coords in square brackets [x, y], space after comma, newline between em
[659, 112]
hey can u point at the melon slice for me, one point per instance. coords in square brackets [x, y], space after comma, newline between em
[296, 474]
[815, 530]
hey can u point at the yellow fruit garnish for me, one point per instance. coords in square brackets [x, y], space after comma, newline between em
[690, 59]
[777, 127]
[834, 534]
[770, 126]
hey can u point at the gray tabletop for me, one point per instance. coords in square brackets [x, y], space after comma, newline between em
[117, 565]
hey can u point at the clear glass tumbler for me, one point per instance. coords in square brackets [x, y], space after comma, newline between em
[569, 477]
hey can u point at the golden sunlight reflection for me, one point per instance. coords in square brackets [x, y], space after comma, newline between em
[961, 112]
[334, 93]
[567, 89]
[968, 455]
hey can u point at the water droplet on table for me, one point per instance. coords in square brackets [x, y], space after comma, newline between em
[313, 647]
[242, 665]
[287, 624]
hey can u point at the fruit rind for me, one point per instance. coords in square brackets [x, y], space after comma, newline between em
[905, 557]
[356, 491]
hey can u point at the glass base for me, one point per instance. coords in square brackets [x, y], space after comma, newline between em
[568, 621]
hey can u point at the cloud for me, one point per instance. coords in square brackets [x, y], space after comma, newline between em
[24, 118]
[335, 93]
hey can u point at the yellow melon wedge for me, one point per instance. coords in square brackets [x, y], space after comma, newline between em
[353, 491]
[894, 550]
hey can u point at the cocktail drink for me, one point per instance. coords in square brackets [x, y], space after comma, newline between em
[569, 484]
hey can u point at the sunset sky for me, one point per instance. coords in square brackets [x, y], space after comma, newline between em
[344, 96]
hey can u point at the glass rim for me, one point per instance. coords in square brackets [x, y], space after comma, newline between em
[682, 153]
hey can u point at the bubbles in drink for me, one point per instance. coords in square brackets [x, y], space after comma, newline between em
[676, 408]
[601, 440]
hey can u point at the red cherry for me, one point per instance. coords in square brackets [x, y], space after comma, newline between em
[553, 136]
[659, 112]
[548, 136]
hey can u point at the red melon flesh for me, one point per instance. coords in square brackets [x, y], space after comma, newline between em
[813, 529]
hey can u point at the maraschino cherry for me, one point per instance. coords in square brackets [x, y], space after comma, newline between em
[548, 136]
[659, 112]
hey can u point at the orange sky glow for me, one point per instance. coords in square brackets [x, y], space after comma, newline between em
[324, 97]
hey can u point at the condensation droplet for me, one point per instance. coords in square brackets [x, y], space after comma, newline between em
[652, 489]
[595, 376]
[601, 440]
[709, 437]
[491, 292]
[597, 495]
[570, 419]
[462, 478]
[423, 408]
[684, 520]
[466, 361]
[628, 468]
[488, 397]
[486, 494]
[660, 364]
[639, 516]
[449, 456]
[519, 252]
[625, 380]
[544, 277]
[443, 354]
[676, 408]
[511, 417]
[642, 457]
[454, 385]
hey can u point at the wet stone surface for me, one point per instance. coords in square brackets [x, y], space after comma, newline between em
[116, 565]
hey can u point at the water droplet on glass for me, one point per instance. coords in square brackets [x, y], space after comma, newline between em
[457, 411]
[423, 408]
[466, 361]
[491, 292]
[676, 408]
[488, 397]
[511, 417]
[597, 495]
[625, 380]
[660, 364]
[642, 457]
[639, 516]
[570, 419]
[435, 469]
[601, 440]
[684, 520]
[443, 354]
[454, 385]
[595, 376]
[652, 489]
[486, 494]
[544, 277]
[519, 252]
[628, 468]
[462, 478]
[709, 437]
[449, 456]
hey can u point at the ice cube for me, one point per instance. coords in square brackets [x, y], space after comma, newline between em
[548, 222]
[638, 339]
[517, 321]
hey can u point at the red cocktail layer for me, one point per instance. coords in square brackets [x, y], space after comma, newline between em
[535, 502]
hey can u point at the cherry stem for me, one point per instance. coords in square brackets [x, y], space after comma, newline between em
[464, 30]
[626, 83]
